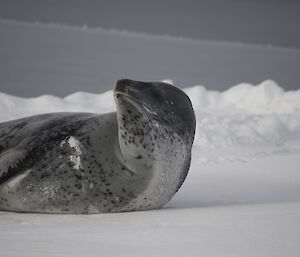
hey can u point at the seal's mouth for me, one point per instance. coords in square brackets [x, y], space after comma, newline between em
[121, 96]
[126, 91]
[123, 90]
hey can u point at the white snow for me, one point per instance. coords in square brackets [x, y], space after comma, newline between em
[242, 194]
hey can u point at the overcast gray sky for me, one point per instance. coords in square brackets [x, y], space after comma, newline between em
[273, 22]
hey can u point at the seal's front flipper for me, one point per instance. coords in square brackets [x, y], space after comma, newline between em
[10, 162]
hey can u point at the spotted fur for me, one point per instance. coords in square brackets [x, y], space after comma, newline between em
[135, 159]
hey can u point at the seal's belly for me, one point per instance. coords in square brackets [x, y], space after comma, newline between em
[79, 173]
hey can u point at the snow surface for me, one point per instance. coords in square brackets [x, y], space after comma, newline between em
[241, 197]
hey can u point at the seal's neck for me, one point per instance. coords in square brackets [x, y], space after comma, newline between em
[136, 139]
[153, 151]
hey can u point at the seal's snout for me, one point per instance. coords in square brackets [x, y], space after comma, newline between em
[130, 87]
[125, 87]
[121, 85]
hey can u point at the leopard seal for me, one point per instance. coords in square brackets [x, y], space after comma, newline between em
[133, 159]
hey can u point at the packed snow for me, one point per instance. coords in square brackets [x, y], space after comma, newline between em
[241, 197]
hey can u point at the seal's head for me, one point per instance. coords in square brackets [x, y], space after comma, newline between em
[160, 102]
[156, 126]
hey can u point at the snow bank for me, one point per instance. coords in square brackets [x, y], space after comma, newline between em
[13, 107]
[262, 118]
[265, 98]
[245, 122]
